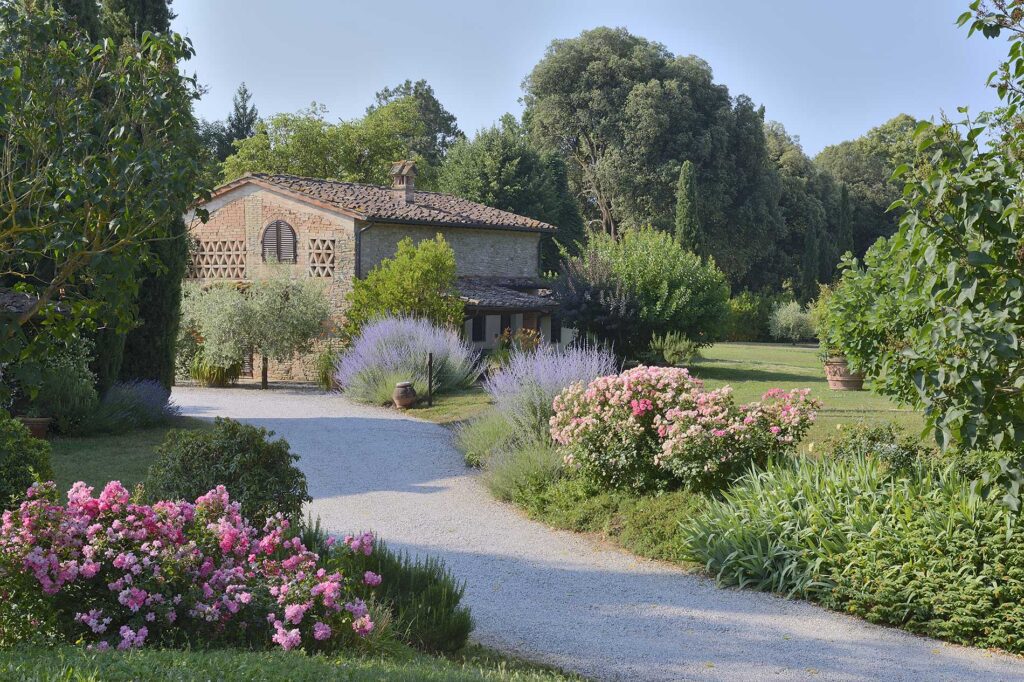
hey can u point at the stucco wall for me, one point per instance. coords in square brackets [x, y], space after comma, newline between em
[485, 253]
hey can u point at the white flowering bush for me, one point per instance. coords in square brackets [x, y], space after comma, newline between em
[656, 427]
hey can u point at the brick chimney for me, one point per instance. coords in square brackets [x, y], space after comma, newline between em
[403, 181]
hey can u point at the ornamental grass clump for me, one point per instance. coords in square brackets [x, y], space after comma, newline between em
[394, 349]
[111, 572]
[524, 389]
[656, 427]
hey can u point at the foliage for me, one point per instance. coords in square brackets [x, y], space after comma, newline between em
[101, 148]
[212, 376]
[283, 317]
[395, 349]
[626, 112]
[936, 314]
[785, 528]
[418, 282]
[261, 472]
[748, 317]
[687, 222]
[439, 131]
[887, 443]
[149, 350]
[514, 474]
[212, 326]
[66, 391]
[863, 168]
[625, 291]
[326, 364]
[116, 573]
[360, 150]
[501, 167]
[422, 595]
[524, 388]
[130, 405]
[791, 322]
[673, 350]
[652, 427]
[480, 438]
[241, 122]
[22, 459]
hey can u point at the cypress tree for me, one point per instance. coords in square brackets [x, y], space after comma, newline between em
[241, 123]
[687, 224]
[810, 264]
[844, 238]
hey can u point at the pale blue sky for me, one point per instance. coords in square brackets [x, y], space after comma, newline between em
[828, 70]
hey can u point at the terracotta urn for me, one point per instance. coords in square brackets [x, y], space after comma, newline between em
[404, 395]
[37, 426]
[840, 377]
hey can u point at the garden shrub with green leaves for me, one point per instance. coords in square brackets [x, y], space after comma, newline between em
[790, 322]
[747, 319]
[625, 291]
[22, 459]
[260, 473]
[419, 281]
[887, 443]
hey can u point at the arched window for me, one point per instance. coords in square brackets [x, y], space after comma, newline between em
[279, 242]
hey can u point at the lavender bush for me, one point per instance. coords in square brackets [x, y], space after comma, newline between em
[395, 349]
[525, 387]
[136, 404]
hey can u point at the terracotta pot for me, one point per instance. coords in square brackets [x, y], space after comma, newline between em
[839, 376]
[37, 426]
[404, 395]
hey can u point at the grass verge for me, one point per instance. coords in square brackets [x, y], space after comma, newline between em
[122, 457]
[454, 406]
[398, 663]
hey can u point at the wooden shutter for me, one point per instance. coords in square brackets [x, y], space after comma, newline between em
[279, 242]
[479, 327]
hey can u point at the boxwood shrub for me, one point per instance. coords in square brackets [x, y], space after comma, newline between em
[258, 472]
[22, 457]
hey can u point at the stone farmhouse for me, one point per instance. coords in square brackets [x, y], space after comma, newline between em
[338, 231]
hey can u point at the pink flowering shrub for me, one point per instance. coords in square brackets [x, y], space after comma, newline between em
[655, 427]
[114, 573]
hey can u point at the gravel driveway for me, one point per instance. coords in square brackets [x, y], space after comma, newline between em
[558, 597]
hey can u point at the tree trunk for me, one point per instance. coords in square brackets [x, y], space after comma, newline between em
[263, 376]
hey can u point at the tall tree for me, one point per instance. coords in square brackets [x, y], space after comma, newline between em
[242, 120]
[500, 167]
[132, 18]
[625, 111]
[687, 224]
[305, 143]
[440, 130]
[64, 104]
[865, 165]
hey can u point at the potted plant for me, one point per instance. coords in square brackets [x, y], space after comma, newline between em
[828, 326]
[37, 425]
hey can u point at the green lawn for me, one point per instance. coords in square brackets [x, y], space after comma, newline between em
[454, 407]
[123, 457]
[753, 368]
[401, 663]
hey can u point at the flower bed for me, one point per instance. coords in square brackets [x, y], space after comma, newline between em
[114, 573]
[651, 427]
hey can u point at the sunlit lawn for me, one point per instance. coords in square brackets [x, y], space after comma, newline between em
[453, 407]
[124, 457]
[753, 368]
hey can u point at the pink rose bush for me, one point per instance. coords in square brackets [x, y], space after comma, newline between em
[651, 427]
[111, 572]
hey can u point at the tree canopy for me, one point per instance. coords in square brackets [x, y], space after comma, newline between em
[500, 167]
[439, 130]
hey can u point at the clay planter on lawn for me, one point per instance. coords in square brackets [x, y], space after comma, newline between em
[404, 395]
[37, 426]
[839, 376]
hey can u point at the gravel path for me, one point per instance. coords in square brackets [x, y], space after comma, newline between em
[558, 597]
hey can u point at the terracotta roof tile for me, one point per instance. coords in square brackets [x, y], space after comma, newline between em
[490, 294]
[372, 202]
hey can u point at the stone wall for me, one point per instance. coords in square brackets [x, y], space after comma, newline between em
[486, 253]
